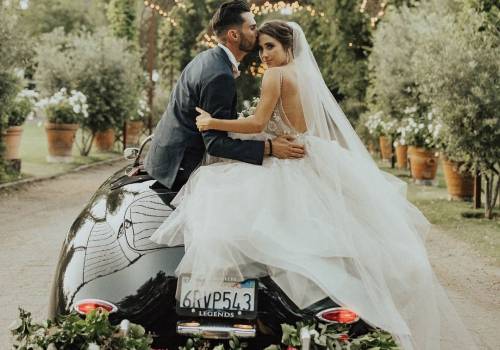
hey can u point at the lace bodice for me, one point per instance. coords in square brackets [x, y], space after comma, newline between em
[278, 124]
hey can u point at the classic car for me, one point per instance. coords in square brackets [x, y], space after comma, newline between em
[108, 261]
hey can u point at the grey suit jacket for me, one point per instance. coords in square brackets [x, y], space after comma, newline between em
[207, 82]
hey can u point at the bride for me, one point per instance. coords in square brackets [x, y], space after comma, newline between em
[328, 225]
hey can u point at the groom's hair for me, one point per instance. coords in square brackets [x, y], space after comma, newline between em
[228, 15]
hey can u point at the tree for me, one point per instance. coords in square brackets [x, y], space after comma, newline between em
[14, 54]
[44, 16]
[122, 19]
[456, 67]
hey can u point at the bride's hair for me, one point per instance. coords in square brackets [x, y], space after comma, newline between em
[280, 31]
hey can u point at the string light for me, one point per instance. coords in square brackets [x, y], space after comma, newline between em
[209, 40]
[374, 6]
[284, 7]
[256, 69]
[157, 8]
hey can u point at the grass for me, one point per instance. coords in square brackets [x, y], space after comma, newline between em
[482, 234]
[34, 151]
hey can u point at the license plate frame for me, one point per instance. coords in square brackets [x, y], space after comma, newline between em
[197, 311]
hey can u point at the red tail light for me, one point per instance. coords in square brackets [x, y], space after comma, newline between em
[338, 315]
[85, 306]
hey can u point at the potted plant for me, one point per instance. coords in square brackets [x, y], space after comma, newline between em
[135, 123]
[401, 146]
[63, 112]
[377, 127]
[104, 139]
[18, 112]
[421, 133]
[459, 181]
[365, 134]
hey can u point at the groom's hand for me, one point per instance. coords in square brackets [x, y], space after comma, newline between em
[285, 148]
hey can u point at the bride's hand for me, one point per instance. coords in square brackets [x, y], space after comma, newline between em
[203, 120]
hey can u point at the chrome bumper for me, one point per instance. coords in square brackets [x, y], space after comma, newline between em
[216, 331]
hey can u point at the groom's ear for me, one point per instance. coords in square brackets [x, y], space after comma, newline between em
[232, 34]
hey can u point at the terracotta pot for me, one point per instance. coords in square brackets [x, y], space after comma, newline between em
[460, 186]
[104, 140]
[134, 130]
[385, 147]
[12, 141]
[423, 163]
[60, 138]
[402, 156]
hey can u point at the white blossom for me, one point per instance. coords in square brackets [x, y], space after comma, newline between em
[93, 346]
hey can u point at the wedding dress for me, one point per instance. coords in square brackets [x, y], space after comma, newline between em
[330, 224]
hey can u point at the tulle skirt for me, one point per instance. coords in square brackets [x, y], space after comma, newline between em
[328, 225]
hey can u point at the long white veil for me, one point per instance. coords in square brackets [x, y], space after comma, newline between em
[426, 320]
[324, 117]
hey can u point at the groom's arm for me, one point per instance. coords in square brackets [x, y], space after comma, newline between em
[216, 97]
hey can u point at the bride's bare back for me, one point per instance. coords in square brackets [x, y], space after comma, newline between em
[290, 99]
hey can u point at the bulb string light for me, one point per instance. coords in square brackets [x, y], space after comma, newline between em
[284, 7]
[379, 9]
[162, 12]
[267, 8]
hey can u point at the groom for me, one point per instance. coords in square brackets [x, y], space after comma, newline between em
[208, 81]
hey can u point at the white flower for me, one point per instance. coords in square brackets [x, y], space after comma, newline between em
[410, 110]
[93, 346]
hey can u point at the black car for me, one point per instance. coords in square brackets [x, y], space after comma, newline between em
[107, 260]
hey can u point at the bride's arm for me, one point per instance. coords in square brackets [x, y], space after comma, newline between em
[255, 123]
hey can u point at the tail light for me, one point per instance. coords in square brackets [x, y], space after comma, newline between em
[85, 306]
[338, 315]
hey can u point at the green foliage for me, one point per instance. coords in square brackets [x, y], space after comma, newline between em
[457, 68]
[9, 87]
[334, 336]
[490, 8]
[101, 67]
[121, 15]
[393, 87]
[44, 16]
[72, 332]
[178, 43]
[14, 54]
[20, 109]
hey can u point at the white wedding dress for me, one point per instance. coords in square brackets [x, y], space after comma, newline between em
[330, 224]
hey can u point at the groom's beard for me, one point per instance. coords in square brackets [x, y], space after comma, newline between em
[247, 45]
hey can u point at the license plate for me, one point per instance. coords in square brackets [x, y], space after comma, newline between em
[230, 300]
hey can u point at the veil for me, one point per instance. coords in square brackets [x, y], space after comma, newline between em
[324, 117]
[434, 323]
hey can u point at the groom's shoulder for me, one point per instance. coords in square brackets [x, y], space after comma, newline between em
[211, 56]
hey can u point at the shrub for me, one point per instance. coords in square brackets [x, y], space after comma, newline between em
[101, 67]
[62, 108]
[21, 107]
